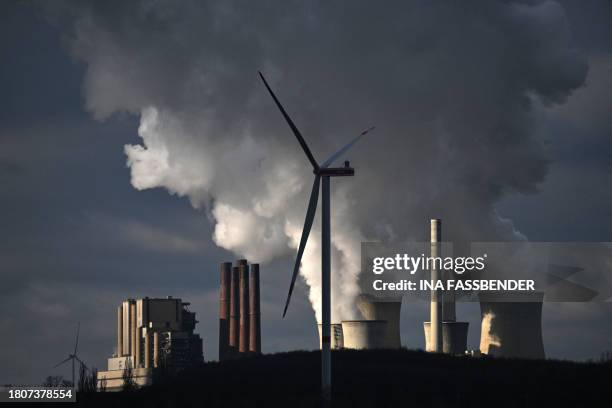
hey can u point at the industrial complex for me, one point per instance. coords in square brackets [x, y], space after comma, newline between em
[155, 333]
[152, 334]
[510, 328]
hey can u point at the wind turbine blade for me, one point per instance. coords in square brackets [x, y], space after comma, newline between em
[350, 144]
[292, 126]
[62, 362]
[310, 214]
[82, 363]
[76, 344]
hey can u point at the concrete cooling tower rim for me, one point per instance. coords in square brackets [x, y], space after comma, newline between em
[364, 321]
[364, 334]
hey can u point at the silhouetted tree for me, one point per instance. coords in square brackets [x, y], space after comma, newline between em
[53, 381]
[88, 379]
[128, 377]
[82, 378]
[162, 372]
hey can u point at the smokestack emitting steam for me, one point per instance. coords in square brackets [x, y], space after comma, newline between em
[254, 311]
[234, 324]
[224, 309]
[443, 334]
[244, 332]
[206, 137]
[244, 308]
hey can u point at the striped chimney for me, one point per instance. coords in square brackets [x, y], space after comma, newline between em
[254, 311]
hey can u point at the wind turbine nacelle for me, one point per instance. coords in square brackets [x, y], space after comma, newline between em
[336, 172]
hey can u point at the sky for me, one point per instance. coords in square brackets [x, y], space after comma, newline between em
[520, 115]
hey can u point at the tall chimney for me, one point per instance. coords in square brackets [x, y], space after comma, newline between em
[436, 304]
[444, 334]
[234, 312]
[224, 309]
[243, 346]
[254, 311]
[119, 331]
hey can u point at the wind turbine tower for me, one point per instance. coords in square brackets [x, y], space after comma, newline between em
[73, 356]
[324, 172]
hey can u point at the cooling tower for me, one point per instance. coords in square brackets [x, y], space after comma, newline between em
[387, 310]
[512, 329]
[364, 334]
[254, 311]
[337, 336]
[454, 337]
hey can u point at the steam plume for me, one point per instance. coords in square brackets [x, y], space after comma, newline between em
[454, 90]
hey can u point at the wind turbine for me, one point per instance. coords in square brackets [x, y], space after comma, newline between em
[325, 172]
[73, 356]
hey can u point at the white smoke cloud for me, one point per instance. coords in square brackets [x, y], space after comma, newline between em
[451, 88]
[151, 164]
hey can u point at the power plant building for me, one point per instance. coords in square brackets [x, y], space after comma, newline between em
[152, 333]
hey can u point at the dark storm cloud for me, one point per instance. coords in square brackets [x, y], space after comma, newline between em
[574, 201]
[63, 256]
[453, 89]
[440, 80]
[591, 24]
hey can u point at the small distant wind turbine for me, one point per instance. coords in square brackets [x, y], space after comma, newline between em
[73, 356]
[325, 172]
